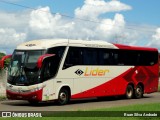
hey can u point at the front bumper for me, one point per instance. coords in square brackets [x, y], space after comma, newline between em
[33, 96]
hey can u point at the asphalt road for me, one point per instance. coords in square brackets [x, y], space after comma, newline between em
[76, 105]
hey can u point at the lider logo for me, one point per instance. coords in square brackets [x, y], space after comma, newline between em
[92, 72]
[79, 72]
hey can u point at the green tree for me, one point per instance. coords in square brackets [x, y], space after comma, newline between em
[7, 61]
[2, 54]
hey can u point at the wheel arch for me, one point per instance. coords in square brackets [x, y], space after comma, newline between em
[63, 87]
[129, 92]
[139, 91]
[142, 85]
[132, 84]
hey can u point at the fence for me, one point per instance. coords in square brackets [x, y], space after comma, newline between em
[3, 80]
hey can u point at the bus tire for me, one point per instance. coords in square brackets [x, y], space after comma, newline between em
[63, 97]
[138, 92]
[129, 92]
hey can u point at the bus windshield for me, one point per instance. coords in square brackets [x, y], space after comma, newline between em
[23, 67]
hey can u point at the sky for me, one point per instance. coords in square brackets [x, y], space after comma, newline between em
[130, 22]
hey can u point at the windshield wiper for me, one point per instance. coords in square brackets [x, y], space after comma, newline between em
[21, 78]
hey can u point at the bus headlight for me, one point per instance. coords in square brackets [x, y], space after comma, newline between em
[36, 89]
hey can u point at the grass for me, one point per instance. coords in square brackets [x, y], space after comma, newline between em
[2, 98]
[138, 107]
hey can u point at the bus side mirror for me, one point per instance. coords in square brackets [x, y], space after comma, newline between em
[42, 58]
[3, 60]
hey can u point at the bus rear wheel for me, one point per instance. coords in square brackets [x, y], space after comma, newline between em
[138, 92]
[63, 97]
[129, 92]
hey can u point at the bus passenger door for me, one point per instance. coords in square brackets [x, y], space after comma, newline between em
[48, 69]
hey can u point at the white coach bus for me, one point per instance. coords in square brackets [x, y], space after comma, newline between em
[62, 69]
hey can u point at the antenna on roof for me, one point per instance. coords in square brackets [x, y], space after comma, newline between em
[68, 41]
[67, 36]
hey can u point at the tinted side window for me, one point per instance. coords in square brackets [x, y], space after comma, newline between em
[108, 57]
[48, 69]
[148, 58]
[57, 50]
[90, 56]
[136, 57]
[81, 56]
[102, 56]
[74, 57]
[127, 57]
[51, 65]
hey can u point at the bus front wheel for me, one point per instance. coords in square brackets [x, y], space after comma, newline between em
[63, 97]
[139, 92]
[129, 92]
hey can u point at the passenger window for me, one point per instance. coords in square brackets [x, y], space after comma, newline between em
[74, 57]
[90, 56]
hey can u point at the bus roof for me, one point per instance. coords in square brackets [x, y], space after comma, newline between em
[135, 47]
[48, 43]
